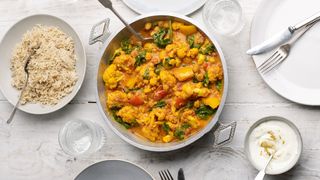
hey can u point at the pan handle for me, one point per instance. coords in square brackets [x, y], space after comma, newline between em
[100, 32]
[223, 134]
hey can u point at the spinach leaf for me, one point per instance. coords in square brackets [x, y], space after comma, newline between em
[185, 126]
[195, 80]
[115, 54]
[207, 49]
[126, 46]
[167, 64]
[160, 104]
[190, 40]
[179, 133]
[140, 59]
[120, 121]
[134, 89]
[204, 111]
[190, 104]
[166, 127]
[117, 118]
[158, 68]
[146, 74]
[219, 85]
[159, 38]
[206, 81]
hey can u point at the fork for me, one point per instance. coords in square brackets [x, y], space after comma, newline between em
[165, 175]
[280, 54]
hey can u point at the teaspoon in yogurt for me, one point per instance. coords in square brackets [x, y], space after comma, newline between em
[273, 136]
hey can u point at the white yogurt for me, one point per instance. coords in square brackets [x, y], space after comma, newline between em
[276, 137]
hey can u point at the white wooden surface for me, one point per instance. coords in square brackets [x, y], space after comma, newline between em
[32, 151]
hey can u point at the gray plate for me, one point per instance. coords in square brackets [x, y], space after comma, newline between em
[114, 170]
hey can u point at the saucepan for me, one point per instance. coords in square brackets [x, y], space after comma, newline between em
[111, 41]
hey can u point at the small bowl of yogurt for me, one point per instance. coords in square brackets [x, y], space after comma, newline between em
[273, 135]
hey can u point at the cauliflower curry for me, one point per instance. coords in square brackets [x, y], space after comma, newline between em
[168, 89]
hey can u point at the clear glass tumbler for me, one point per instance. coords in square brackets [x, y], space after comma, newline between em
[81, 137]
[223, 16]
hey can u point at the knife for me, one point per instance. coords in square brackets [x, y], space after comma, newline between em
[283, 36]
[180, 174]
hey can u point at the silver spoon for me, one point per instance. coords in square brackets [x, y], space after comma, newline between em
[108, 4]
[9, 120]
[262, 172]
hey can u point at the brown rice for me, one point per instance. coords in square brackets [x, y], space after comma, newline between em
[52, 67]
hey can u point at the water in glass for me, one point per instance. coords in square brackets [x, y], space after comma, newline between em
[79, 137]
[223, 16]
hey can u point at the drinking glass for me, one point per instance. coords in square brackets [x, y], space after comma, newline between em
[223, 16]
[81, 137]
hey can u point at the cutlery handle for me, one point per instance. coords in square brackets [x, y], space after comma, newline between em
[13, 112]
[127, 25]
[260, 175]
[310, 20]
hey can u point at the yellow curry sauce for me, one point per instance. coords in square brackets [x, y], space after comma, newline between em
[167, 89]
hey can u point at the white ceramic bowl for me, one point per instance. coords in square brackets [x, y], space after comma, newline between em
[14, 36]
[290, 124]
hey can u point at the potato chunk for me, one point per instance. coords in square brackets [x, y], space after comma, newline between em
[183, 73]
[213, 102]
[188, 29]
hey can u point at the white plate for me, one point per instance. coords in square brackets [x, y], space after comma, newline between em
[114, 170]
[14, 36]
[184, 7]
[297, 78]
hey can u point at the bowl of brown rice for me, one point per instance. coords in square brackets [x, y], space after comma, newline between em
[56, 67]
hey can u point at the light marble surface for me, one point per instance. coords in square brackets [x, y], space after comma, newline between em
[32, 151]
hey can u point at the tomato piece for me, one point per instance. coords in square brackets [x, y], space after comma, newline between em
[180, 103]
[205, 65]
[160, 94]
[136, 100]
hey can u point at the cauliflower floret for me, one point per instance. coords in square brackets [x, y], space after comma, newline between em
[159, 113]
[167, 78]
[150, 133]
[116, 99]
[147, 26]
[194, 122]
[154, 81]
[124, 62]
[170, 47]
[215, 73]
[193, 52]
[128, 113]
[130, 82]
[191, 89]
[167, 138]
[112, 76]
[201, 58]
[182, 52]
[150, 47]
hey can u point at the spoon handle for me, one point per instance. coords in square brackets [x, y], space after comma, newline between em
[262, 172]
[108, 4]
[134, 32]
[13, 112]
